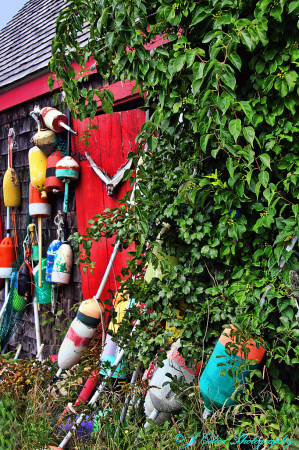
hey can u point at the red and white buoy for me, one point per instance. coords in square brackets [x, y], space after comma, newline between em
[80, 333]
[55, 120]
[38, 206]
[53, 184]
[75, 342]
[7, 257]
[62, 265]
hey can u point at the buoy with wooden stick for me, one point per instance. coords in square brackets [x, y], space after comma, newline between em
[55, 120]
[38, 207]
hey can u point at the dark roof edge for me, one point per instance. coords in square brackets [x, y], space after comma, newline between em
[24, 80]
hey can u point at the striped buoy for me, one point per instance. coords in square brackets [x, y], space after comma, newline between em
[38, 166]
[38, 206]
[75, 342]
[67, 169]
[216, 390]
[51, 253]
[52, 117]
[62, 267]
[43, 294]
[89, 312]
[52, 182]
[25, 282]
[7, 257]
[11, 189]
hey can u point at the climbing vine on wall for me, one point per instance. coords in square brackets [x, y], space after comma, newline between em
[221, 170]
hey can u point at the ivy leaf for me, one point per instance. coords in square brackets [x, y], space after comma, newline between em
[266, 159]
[179, 62]
[235, 128]
[102, 22]
[198, 69]
[257, 189]
[247, 110]
[236, 60]
[190, 57]
[247, 39]
[293, 6]
[228, 79]
[264, 178]
[249, 134]
[107, 107]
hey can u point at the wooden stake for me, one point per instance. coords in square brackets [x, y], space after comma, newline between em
[40, 252]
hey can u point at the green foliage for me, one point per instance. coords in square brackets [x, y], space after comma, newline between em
[224, 90]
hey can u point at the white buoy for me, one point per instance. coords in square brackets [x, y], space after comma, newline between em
[161, 398]
[75, 342]
[62, 265]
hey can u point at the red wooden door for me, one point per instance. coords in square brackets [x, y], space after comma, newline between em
[108, 147]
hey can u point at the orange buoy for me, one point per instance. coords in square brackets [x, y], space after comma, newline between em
[38, 206]
[52, 182]
[7, 257]
[89, 313]
[38, 166]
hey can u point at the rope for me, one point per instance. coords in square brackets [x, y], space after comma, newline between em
[102, 322]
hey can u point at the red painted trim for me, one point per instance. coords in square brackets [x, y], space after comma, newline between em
[34, 88]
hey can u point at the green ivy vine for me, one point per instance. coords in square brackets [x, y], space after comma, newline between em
[222, 170]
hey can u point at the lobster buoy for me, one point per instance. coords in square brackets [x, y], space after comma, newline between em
[89, 313]
[75, 342]
[37, 167]
[180, 314]
[25, 282]
[51, 253]
[62, 267]
[67, 169]
[44, 140]
[160, 396]
[52, 182]
[120, 304]
[216, 390]
[7, 257]
[11, 189]
[43, 294]
[109, 355]
[52, 118]
[38, 206]
[18, 303]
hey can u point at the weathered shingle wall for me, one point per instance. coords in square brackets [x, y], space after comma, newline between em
[25, 42]
[25, 127]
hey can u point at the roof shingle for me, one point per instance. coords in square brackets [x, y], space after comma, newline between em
[25, 42]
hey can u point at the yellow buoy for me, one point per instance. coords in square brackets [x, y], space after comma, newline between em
[38, 166]
[11, 189]
[120, 304]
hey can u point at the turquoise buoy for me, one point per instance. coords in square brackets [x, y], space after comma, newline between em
[216, 390]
